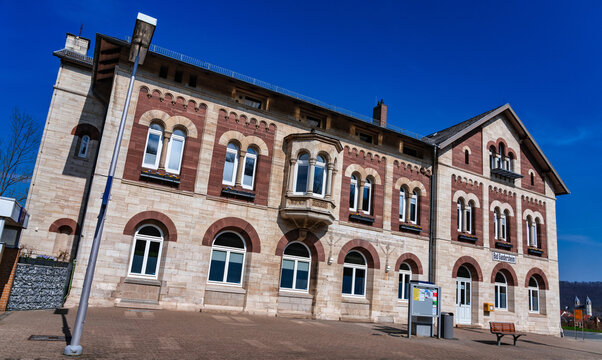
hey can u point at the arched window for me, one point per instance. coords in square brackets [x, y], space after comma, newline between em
[535, 239]
[510, 162]
[529, 231]
[503, 227]
[248, 178]
[227, 259]
[301, 174]
[146, 252]
[295, 267]
[405, 274]
[500, 156]
[414, 207]
[496, 223]
[354, 274]
[469, 217]
[532, 180]
[466, 157]
[83, 147]
[230, 165]
[353, 193]
[459, 213]
[154, 144]
[175, 150]
[501, 292]
[533, 295]
[402, 205]
[319, 176]
[492, 157]
[367, 197]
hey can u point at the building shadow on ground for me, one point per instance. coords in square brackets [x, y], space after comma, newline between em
[391, 331]
[66, 330]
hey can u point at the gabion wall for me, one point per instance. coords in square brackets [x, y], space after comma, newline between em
[38, 287]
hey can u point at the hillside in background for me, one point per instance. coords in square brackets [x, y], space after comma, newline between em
[570, 289]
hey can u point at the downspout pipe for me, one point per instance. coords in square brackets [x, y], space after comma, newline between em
[433, 217]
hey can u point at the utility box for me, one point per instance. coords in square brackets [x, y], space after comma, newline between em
[488, 307]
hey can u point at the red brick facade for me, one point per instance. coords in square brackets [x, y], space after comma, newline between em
[471, 264]
[412, 173]
[366, 161]
[240, 226]
[469, 187]
[173, 107]
[246, 127]
[542, 238]
[504, 197]
[312, 242]
[152, 217]
[410, 259]
[474, 141]
[8, 266]
[364, 247]
[507, 270]
[528, 163]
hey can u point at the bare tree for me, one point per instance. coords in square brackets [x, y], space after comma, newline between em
[18, 150]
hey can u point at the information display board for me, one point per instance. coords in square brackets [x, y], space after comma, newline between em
[424, 307]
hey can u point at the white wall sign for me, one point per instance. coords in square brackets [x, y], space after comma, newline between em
[503, 257]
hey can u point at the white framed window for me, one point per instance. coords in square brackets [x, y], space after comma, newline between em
[320, 176]
[83, 147]
[227, 259]
[353, 193]
[459, 213]
[154, 144]
[533, 295]
[295, 271]
[469, 218]
[414, 208]
[301, 174]
[534, 240]
[405, 274]
[354, 274]
[529, 231]
[496, 223]
[146, 252]
[491, 159]
[248, 176]
[230, 165]
[501, 292]
[402, 205]
[503, 227]
[367, 197]
[175, 151]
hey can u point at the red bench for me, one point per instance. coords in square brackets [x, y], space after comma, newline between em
[504, 328]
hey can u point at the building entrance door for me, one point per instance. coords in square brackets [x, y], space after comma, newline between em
[463, 296]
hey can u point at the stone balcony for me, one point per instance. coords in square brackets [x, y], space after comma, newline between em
[307, 211]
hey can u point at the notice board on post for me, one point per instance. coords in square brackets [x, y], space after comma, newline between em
[424, 303]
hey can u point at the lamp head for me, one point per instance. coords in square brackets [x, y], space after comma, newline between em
[141, 39]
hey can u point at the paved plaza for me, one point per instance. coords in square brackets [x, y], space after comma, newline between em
[117, 333]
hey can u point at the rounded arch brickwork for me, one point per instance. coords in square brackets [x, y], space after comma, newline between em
[412, 185]
[411, 260]
[174, 121]
[149, 116]
[240, 226]
[534, 215]
[365, 248]
[244, 141]
[471, 264]
[503, 207]
[539, 275]
[467, 197]
[312, 242]
[86, 129]
[59, 223]
[507, 270]
[152, 217]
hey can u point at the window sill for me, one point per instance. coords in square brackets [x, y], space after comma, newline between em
[411, 228]
[468, 238]
[361, 218]
[225, 288]
[355, 299]
[535, 252]
[503, 245]
[164, 177]
[294, 294]
[141, 281]
[239, 194]
[537, 315]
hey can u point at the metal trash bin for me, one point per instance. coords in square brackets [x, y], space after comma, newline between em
[447, 325]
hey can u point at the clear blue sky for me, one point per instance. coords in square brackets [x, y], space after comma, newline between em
[434, 63]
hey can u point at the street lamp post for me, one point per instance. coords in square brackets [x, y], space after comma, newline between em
[143, 34]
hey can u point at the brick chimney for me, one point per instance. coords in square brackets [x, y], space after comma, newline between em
[379, 114]
[77, 44]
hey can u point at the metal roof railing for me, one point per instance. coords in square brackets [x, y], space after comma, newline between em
[275, 88]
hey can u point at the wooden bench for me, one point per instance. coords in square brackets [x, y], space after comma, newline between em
[504, 328]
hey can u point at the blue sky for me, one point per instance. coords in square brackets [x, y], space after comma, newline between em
[434, 63]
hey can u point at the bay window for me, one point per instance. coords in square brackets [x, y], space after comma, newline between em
[301, 174]
[319, 176]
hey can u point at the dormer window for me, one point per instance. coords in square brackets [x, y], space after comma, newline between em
[252, 102]
[250, 99]
[313, 122]
[365, 137]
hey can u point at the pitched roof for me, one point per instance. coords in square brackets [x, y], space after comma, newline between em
[447, 137]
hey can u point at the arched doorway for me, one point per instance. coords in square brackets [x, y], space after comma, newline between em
[463, 296]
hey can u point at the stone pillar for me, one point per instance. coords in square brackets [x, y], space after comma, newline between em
[291, 177]
[360, 195]
[408, 199]
[166, 137]
[330, 169]
[241, 166]
[310, 177]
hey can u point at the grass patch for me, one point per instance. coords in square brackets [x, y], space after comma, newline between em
[579, 329]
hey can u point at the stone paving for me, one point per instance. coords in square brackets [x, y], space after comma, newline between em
[117, 333]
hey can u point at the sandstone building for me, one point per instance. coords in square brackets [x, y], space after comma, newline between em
[234, 195]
